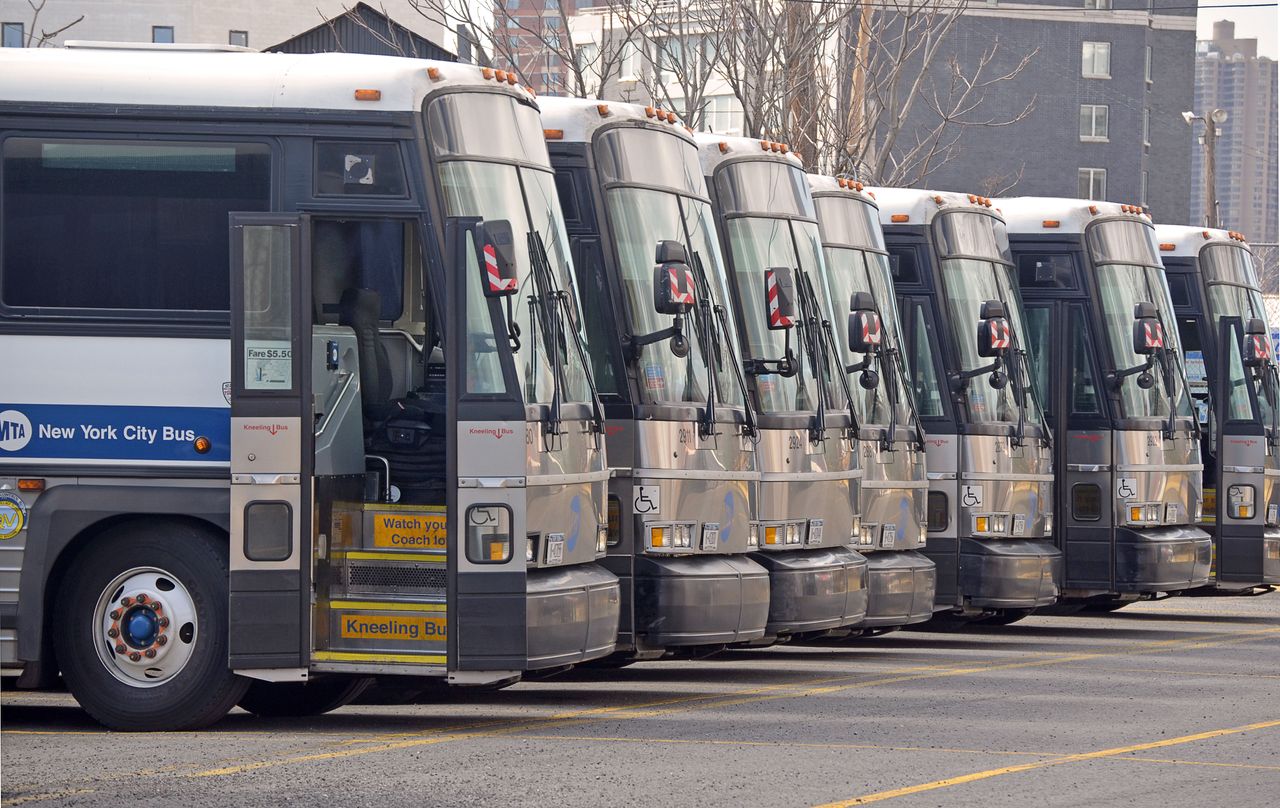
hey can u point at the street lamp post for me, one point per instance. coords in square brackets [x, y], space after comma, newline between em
[1211, 132]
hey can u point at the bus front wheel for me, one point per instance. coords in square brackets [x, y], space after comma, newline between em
[141, 628]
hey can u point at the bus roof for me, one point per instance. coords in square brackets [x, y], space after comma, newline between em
[716, 149]
[189, 77]
[919, 206]
[1029, 214]
[823, 184]
[1180, 241]
[577, 119]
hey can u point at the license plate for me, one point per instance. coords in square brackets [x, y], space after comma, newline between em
[888, 536]
[1019, 525]
[710, 536]
[555, 548]
[815, 531]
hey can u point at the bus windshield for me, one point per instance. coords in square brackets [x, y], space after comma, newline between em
[759, 243]
[969, 283]
[1121, 286]
[851, 271]
[1234, 292]
[638, 219]
[510, 178]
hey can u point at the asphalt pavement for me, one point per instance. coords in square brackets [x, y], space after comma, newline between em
[1172, 703]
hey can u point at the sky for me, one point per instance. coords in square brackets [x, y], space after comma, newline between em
[1250, 23]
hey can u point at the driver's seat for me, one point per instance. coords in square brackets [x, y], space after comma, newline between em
[358, 310]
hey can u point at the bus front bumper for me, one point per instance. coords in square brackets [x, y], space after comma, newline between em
[1009, 573]
[699, 600]
[572, 615]
[1162, 559]
[814, 590]
[902, 586]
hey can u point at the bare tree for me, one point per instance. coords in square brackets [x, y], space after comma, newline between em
[685, 40]
[46, 36]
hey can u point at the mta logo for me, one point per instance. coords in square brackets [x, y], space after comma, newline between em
[15, 431]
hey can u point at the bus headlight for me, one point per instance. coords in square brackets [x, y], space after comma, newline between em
[795, 532]
[602, 539]
[1240, 501]
[1273, 514]
[683, 537]
[1199, 511]
[530, 548]
[1142, 514]
[1048, 524]
[867, 538]
[753, 534]
[855, 532]
[990, 524]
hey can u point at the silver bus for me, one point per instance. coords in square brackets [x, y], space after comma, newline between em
[681, 437]
[892, 441]
[1107, 362]
[1228, 347]
[991, 507]
[807, 450]
[297, 392]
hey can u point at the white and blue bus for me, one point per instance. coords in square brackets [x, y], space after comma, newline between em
[294, 390]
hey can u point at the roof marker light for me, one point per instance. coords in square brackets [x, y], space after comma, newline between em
[553, 134]
[501, 75]
[511, 78]
[899, 218]
[857, 186]
[368, 95]
[603, 109]
[486, 72]
[937, 199]
[433, 73]
[651, 112]
[1167, 246]
[724, 147]
[1050, 224]
[1093, 209]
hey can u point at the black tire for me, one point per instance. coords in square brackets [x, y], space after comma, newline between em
[1005, 617]
[297, 699]
[204, 689]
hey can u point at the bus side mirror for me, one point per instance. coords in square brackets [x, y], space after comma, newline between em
[672, 279]
[1148, 334]
[780, 298]
[994, 334]
[499, 254]
[1256, 349]
[865, 332]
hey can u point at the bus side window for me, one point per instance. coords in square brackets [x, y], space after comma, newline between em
[924, 373]
[1084, 384]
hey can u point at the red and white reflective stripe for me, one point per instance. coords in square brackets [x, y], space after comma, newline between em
[1000, 338]
[776, 318]
[681, 296]
[1155, 335]
[1260, 350]
[497, 283]
[871, 331]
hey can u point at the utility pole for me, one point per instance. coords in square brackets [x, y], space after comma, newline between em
[1211, 132]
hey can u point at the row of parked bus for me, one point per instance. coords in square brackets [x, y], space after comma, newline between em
[330, 367]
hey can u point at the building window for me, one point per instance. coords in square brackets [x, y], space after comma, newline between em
[630, 69]
[723, 115]
[1093, 123]
[1146, 127]
[552, 22]
[1142, 192]
[1099, 4]
[1093, 183]
[1146, 70]
[238, 38]
[1095, 60]
[552, 5]
[11, 35]
[162, 34]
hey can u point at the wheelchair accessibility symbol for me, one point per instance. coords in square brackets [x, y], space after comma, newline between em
[971, 496]
[1127, 487]
[647, 500]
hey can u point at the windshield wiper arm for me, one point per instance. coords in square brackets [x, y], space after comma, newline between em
[707, 426]
[821, 359]
[551, 325]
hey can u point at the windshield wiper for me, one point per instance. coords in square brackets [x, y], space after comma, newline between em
[822, 355]
[710, 355]
[546, 302]
[722, 334]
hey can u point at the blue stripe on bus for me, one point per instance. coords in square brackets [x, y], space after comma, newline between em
[91, 432]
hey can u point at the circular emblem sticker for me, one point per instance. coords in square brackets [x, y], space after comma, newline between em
[15, 430]
[13, 516]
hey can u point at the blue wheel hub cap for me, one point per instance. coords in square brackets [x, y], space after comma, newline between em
[140, 627]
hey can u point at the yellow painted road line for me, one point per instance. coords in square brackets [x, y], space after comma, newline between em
[948, 782]
[750, 696]
[47, 795]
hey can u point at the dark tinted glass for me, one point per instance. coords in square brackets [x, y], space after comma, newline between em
[1086, 502]
[1046, 271]
[124, 224]
[359, 169]
[649, 157]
